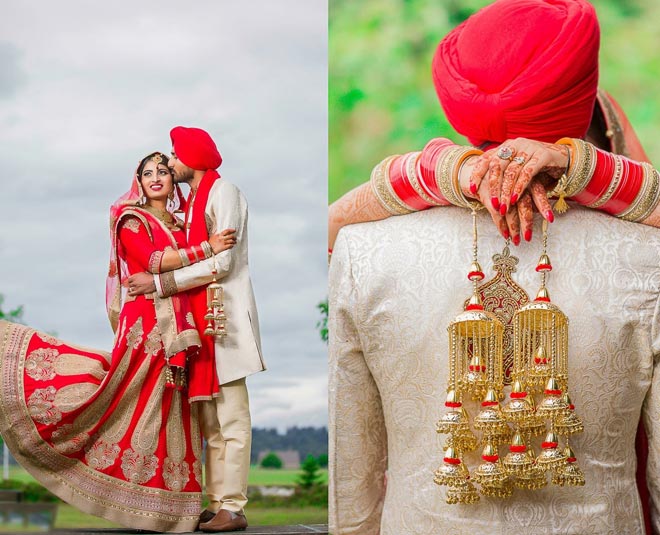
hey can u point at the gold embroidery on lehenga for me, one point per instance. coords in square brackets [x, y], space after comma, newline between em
[116, 426]
[68, 446]
[145, 437]
[41, 406]
[72, 364]
[70, 397]
[196, 441]
[134, 336]
[138, 468]
[90, 416]
[165, 510]
[47, 338]
[190, 319]
[39, 364]
[175, 475]
[138, 463]
[101, 455]
[176, 472]
[154, 343]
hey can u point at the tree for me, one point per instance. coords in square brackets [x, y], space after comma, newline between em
[322, 324]
[15, 315]
[310, 476]
[271, 461]
[323, 460]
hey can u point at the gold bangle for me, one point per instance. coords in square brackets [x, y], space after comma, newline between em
[581, 170]
[456, 184]
[411, 170]
[184, 257]
[380, 184]
[447, 173]
[647, 198]
[208, 250]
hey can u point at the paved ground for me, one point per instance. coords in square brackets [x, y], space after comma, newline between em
[300, 529]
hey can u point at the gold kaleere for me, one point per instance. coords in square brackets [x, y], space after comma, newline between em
[569, 473]
[476, 372]
[215, 315]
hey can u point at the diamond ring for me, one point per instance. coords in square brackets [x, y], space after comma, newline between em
[505, 153]
[519, 160]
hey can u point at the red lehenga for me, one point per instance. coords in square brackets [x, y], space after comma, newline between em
[112, 433]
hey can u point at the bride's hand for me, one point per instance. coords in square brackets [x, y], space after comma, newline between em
[223, 240]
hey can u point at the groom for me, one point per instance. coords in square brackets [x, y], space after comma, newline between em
[217, 374]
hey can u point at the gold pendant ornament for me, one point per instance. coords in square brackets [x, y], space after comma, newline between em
[215, 314]
[539, 367]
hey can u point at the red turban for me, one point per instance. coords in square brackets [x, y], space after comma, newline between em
[520, 68]
[195, 148]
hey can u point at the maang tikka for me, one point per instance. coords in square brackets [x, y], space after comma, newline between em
[539, 369]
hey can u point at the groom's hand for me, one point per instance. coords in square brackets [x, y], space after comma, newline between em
[140, 284]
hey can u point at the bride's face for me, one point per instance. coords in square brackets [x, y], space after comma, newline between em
[156, 181]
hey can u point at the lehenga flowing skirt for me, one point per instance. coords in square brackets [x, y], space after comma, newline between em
[105, 432]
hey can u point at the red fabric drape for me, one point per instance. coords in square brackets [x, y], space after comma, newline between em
[202, 376]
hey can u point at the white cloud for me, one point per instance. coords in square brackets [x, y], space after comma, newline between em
[92, 87]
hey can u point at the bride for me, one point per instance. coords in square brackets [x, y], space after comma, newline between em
[113, 433]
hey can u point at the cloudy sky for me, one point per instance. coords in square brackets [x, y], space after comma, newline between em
[88, 88]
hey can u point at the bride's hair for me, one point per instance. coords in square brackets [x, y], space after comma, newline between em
[155, 157]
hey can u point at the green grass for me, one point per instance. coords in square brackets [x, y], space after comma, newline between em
[277, 477]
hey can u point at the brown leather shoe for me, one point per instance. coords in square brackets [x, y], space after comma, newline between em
[223, 521]
[206, 516]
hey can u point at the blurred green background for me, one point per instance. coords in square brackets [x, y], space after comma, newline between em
[381, 95]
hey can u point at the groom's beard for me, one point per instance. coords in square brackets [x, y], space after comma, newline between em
[184, 176]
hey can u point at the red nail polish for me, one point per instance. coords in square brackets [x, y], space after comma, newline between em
[496, 202]
[514, 198]
[473, 188]
[528, 234]
[502, 209]
[516, 239]
[506, 234]
[550, 216]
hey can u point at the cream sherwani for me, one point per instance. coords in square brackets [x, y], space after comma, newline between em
[394, 287]
[225, 421]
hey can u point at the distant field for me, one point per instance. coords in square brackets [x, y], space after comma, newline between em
[269, 476]
[258, 476]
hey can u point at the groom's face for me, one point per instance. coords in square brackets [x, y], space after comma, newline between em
[180, 171]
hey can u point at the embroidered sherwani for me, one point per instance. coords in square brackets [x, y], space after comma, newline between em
[394, 287]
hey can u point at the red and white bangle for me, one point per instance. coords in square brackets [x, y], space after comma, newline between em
[609, 182]
[419, 180]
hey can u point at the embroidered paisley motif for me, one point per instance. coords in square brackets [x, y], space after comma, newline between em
[40, 364]
[153, 344]
[42, 408]
[72, 445]
[138, 468]
[101, 455]
[175, 475]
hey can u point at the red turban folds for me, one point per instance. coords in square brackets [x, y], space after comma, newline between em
[195, 148]
[520, 68]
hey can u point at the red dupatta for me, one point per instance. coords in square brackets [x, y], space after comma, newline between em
[202, 377]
